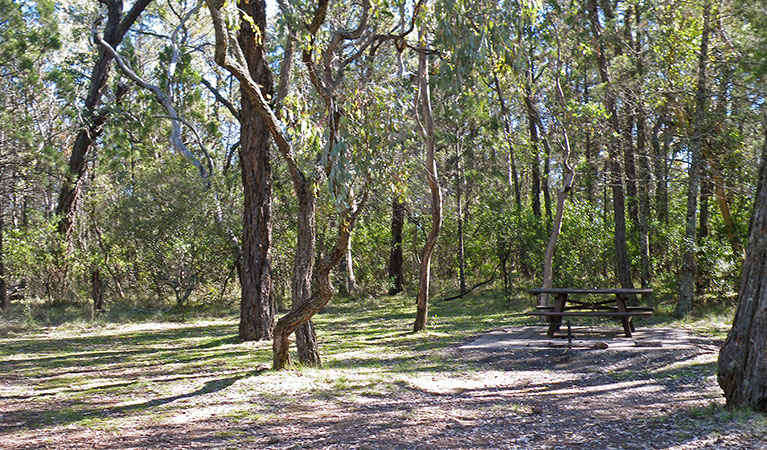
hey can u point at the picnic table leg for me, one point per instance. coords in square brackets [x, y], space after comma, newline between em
[556, 321]
[628, 325]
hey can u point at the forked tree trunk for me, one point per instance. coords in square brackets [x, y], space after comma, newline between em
[567, 184]
[257, 308]
[422, 298]
[689, 263]
[301, 315]
[743, 357]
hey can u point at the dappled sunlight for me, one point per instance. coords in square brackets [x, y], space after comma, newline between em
[174, 385]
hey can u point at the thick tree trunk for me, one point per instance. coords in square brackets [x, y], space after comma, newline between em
[422, 298]
[69, 194]
[303, 265]
[743, 357]
[623, 263]
[395, 255]
[257, 308]
[688, 270]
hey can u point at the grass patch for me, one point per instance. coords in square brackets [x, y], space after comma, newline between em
[102, 375]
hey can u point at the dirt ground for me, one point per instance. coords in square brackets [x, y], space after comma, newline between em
[507, 397]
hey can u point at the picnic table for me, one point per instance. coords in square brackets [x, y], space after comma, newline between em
[614, 306]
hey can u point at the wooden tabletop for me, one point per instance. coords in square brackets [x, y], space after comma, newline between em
[588, 291]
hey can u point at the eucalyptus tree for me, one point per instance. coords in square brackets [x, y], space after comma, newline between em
[309, 158]
[117, 25]
[426, 126]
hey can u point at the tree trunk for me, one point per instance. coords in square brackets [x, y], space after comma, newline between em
[303, 265]
[512, 174]
[629, 168]
[702, 277]
[3, 288]
[69, 194]
[97, 291]
[427, 130]
[545, 178]
[659, 170]
[351, 281]
[556, 225]
[592, 171]
[743, 357]
[395, 255]
[688, 270]
[535, 173]
[643, 187]
[257, 308]
[643, 168]
[623, 264]
[459, 216]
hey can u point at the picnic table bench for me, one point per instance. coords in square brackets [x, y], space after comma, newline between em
[615, 306]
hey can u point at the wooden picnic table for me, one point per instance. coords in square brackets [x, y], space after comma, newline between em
[614, 306]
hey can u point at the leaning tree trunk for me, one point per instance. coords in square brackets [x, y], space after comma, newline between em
[427, 129]
[301, 315]
[257, 308]
[556, 225]
[567, 185]
[687, 274]
[69, 194]
[743, 357]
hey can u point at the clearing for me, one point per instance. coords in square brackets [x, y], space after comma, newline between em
[469, 382]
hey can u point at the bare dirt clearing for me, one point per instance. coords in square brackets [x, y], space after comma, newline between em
[193, 386]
